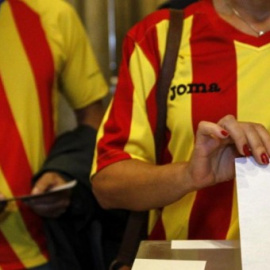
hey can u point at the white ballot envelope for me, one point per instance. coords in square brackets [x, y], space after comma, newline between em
[253, 191]
[204, 244]
[67, 186]
[153, 264]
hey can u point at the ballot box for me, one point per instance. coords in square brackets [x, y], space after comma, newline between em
[216, 255]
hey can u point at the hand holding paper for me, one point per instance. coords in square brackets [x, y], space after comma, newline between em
[217, 145]
[50, 196]
[50, 192]
[57, 202]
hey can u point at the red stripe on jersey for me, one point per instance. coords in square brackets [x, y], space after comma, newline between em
[214, 67]
[158, 232]
[140, 30]
[15, 166]
[117, 129]
[9, 254]
[41, 60]
[13, 159]
[149, 46]
[146, 36]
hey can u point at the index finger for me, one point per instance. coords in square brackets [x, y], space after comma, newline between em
[247, 135]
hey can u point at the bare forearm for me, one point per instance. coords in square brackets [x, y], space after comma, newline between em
[91, 115]
[137, 185]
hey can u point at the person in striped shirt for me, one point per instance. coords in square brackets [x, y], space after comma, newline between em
[217, 110]
[44, 51]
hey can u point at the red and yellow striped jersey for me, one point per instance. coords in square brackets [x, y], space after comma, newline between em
[219, 71]
[43, 50]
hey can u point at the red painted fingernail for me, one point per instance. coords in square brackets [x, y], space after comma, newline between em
[264, 158]
[246, 151]
[224, 133]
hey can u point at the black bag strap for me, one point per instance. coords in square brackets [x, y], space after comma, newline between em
[136, 229]
[165, 78]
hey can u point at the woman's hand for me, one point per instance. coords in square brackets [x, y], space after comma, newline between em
[217, 146]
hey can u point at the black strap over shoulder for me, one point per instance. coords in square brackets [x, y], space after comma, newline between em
[165, 77]
[136, 229]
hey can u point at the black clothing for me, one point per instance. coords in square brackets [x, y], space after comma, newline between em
[177, 4]
[86, 236]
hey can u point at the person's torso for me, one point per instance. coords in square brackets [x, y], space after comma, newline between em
[29, 63]
[219, 71]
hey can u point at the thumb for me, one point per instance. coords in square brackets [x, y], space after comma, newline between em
[42, 185]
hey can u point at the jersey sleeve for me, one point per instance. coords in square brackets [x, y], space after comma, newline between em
[81, 78]
[128, 127]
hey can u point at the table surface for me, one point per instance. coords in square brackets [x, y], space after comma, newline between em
[221, 258]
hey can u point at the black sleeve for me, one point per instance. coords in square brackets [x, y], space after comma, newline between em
[71, 156]
[177, 4]
[73, 240]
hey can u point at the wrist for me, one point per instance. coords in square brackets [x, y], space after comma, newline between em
[116, 265]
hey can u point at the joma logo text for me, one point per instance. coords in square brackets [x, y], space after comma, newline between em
[193, 88]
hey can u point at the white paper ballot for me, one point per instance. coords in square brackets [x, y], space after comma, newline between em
[204, 244]
[151, 264]
[253, 190]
